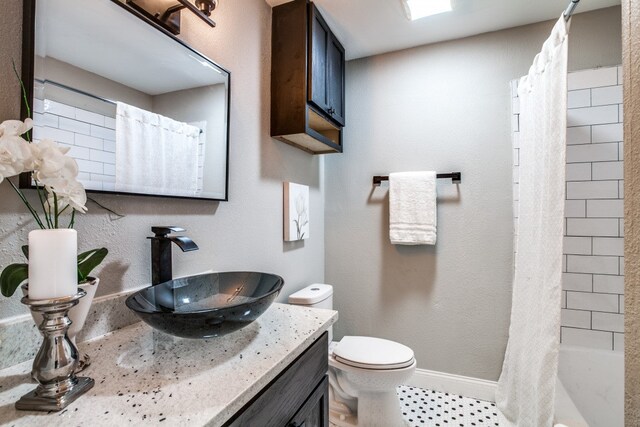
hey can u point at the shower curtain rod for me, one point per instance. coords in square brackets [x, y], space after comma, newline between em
[572, 6]
[81, 92]
[73, 89]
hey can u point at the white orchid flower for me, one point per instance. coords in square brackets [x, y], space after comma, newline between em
[77, 197]
[16, 154]
[58, 173]
[15, 127]
[68, 192]
[51, 163]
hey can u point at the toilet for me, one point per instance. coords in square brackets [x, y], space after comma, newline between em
[363, 371]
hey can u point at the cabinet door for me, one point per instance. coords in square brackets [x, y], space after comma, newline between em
[335, 80]
[326, 69]
[319, 38]
[280, 402]
[315, 411]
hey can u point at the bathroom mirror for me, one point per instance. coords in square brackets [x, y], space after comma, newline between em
[141, 111]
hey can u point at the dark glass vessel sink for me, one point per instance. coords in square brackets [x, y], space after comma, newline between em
[207, 305]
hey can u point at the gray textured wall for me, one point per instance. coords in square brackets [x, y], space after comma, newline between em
[443, 107]
[244, 233]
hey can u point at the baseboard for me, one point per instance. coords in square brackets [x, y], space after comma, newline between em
[454, 384]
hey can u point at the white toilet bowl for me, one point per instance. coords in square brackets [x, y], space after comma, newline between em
[363, 375]
[363, 372]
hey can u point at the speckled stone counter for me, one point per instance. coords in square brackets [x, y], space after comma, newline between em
[144, 376]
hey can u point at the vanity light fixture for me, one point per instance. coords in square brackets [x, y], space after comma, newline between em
[416, 9]
[169, 17]
[206, 6]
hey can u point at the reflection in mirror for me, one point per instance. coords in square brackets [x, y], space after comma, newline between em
[141, 112]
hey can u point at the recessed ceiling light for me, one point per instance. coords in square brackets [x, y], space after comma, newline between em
[416, 9]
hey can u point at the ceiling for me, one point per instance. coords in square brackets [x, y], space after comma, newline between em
[96, 35]
[370, 27]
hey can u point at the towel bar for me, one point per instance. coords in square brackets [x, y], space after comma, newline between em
[456, 177]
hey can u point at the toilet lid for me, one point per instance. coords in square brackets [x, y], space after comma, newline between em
[373, 353]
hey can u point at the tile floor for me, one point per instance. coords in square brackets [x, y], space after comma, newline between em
[435, 409]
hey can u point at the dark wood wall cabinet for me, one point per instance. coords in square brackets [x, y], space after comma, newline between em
[298, 397]
[307, 79]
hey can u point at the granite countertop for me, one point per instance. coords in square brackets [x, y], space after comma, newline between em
[145, 376]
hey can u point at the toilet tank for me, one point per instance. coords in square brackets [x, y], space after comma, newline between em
[318, 295]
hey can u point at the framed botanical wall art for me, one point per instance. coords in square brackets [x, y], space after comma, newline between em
[296, 212]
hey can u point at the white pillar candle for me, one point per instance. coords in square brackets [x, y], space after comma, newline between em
[53, 263]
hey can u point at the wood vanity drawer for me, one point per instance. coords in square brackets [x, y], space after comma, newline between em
[282, 399]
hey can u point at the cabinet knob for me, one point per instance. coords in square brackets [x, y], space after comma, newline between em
[331, 110]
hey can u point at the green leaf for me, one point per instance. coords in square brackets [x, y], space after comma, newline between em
[89, 260]
[12, 276]
[25, 251]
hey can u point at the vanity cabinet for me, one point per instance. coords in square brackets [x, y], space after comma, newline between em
[307, 79]
[297, 397]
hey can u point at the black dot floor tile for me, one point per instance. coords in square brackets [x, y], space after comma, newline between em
[430, 408]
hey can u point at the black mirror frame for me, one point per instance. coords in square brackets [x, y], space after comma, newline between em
[28, 75]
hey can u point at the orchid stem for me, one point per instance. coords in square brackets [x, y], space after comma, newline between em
[24, 90]
[27, 204]
[55, 202]
[44, 209]
[24, 96]
[111, 211]
[73, 219]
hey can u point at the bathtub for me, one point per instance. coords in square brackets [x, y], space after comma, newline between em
[590, 390]
[567, 414]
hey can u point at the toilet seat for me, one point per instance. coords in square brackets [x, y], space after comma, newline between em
[372, 353]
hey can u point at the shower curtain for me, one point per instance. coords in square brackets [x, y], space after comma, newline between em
[526, 388]
[155, 154]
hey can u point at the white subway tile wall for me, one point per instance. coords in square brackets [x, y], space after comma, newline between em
[90, 136]
[593, 278]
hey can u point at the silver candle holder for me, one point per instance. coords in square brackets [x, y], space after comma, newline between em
[56, 362]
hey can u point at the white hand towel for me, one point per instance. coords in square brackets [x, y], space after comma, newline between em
[412, 208]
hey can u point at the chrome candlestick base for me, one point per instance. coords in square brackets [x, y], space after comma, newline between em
[57, 359]
[54, 399]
